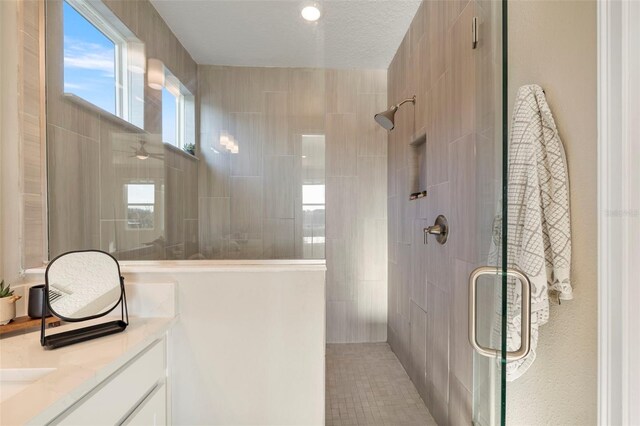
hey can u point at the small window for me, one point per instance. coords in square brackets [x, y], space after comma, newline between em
[313, 195]
[140, 205]
[313, 210]
[169, 117]
[89, 61]
[178, 113]
[103, 61]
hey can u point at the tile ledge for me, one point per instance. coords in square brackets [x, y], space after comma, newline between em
[169, 266]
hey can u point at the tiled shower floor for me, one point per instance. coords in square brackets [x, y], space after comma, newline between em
[366, 385]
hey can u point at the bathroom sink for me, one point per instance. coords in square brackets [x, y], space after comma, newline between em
[14, 380]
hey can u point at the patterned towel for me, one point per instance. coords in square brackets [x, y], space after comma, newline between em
[538, 228]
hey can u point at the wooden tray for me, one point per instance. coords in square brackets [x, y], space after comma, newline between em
[24, 323]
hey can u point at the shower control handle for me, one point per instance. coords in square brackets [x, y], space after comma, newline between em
[440, 229]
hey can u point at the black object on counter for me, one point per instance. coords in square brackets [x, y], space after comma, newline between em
[36, 294]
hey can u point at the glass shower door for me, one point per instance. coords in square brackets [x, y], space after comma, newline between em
[489, 282]
[486, 314]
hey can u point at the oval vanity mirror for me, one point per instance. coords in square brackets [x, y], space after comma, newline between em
[80, 286]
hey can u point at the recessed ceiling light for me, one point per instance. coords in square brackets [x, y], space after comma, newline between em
[311, 13]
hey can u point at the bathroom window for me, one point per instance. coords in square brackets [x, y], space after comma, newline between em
[313, 211]
[140, 205]
[169, 117]
[103, 62]
[178, 113]
[313, 196]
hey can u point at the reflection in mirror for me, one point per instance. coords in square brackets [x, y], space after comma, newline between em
[83, 285]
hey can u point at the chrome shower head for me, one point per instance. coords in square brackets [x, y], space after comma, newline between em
[387, 118]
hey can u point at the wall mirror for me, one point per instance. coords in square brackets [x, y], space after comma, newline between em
[82, 286]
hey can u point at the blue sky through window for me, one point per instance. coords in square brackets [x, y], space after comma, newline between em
[169, 117]
[89, 61]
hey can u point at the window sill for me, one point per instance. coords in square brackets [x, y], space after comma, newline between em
[180, 151]
[103, 114]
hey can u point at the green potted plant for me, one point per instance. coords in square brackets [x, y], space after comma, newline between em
[190, 148]
[7, 303]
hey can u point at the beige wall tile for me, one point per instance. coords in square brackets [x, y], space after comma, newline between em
[279, 187]
[372, 82]
[438, 353]
[306, 92]
[463, 200]
[342, 210]
[372, 187]
[439, 130]
[247, 130]
[278, 242]
[463, 75]
[371, 249]
[214, 224]
[419, 265]
[32, 155]
[276, 124]
[342, 144]
[246, 206]
[243, 90]
[33, 230]
[215, 169]
[372, 138]
[460, 403]
[74, 171]
[461, 351]
[418, 370]
[174, 205]
[341, 89]
[342, 274]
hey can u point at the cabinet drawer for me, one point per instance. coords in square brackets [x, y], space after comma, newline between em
[117, 396]
[152, 411]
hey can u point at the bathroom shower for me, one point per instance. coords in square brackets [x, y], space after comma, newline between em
[387, 118]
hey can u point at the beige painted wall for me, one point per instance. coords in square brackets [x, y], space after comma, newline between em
[553, 44]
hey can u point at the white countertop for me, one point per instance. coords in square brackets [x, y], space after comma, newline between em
[78, 368]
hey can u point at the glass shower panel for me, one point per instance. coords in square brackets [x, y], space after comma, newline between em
[262, 163]
[489, 385]
[106, 172]
[132, 195]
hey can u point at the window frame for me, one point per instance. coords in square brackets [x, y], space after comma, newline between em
[185, 110]
[128, 204]
[126, 46]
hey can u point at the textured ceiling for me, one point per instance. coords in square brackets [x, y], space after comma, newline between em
[271, 33]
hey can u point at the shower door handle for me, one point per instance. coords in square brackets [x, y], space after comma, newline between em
[525, 313]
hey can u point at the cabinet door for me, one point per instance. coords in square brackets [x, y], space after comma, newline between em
[152, 411]
[111, 400]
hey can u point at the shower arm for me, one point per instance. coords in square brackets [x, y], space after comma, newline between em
[412, 100]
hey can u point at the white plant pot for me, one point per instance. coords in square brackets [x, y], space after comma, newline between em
[7, 309]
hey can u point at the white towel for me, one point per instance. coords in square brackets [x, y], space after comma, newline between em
[538, 218]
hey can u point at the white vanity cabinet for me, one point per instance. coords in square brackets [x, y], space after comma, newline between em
[153, 411]
[134, 394]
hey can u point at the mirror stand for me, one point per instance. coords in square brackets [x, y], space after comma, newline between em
[71, 337]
